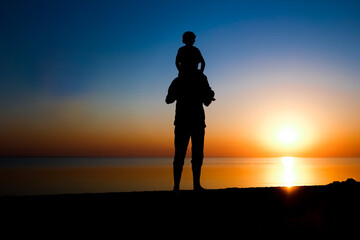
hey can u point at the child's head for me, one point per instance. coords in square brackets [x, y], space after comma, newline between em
[189, 38]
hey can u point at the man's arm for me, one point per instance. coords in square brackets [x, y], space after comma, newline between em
[171, 96]
[209, 94]
[210, 98]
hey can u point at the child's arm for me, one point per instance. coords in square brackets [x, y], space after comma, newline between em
[177, 62]
[202, 63]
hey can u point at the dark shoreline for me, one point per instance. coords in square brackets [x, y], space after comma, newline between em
[332, 208]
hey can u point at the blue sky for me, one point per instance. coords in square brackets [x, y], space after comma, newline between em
[73, 40]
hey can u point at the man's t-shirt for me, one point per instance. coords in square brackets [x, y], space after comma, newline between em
[190, 95]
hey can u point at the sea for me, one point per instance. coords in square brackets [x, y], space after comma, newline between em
[50, 175]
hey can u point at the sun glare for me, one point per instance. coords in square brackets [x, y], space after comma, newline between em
[287, 134]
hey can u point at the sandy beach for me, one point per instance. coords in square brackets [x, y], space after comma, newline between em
[328, 209]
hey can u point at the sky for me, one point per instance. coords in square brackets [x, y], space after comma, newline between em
[89, 78]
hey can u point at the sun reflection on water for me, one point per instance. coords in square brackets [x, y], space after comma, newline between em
[289, 175]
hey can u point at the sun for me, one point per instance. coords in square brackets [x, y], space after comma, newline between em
[284, 135]
[287, 135]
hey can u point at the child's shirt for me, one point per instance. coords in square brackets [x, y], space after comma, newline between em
[189, 58]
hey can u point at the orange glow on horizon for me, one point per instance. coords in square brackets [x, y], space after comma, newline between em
[275, 118]
[69, 142]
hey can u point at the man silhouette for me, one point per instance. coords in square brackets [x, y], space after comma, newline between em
[190, 91]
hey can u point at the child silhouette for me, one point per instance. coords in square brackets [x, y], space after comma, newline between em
[188, 56]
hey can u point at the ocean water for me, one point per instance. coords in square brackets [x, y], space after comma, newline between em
[33, 176]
